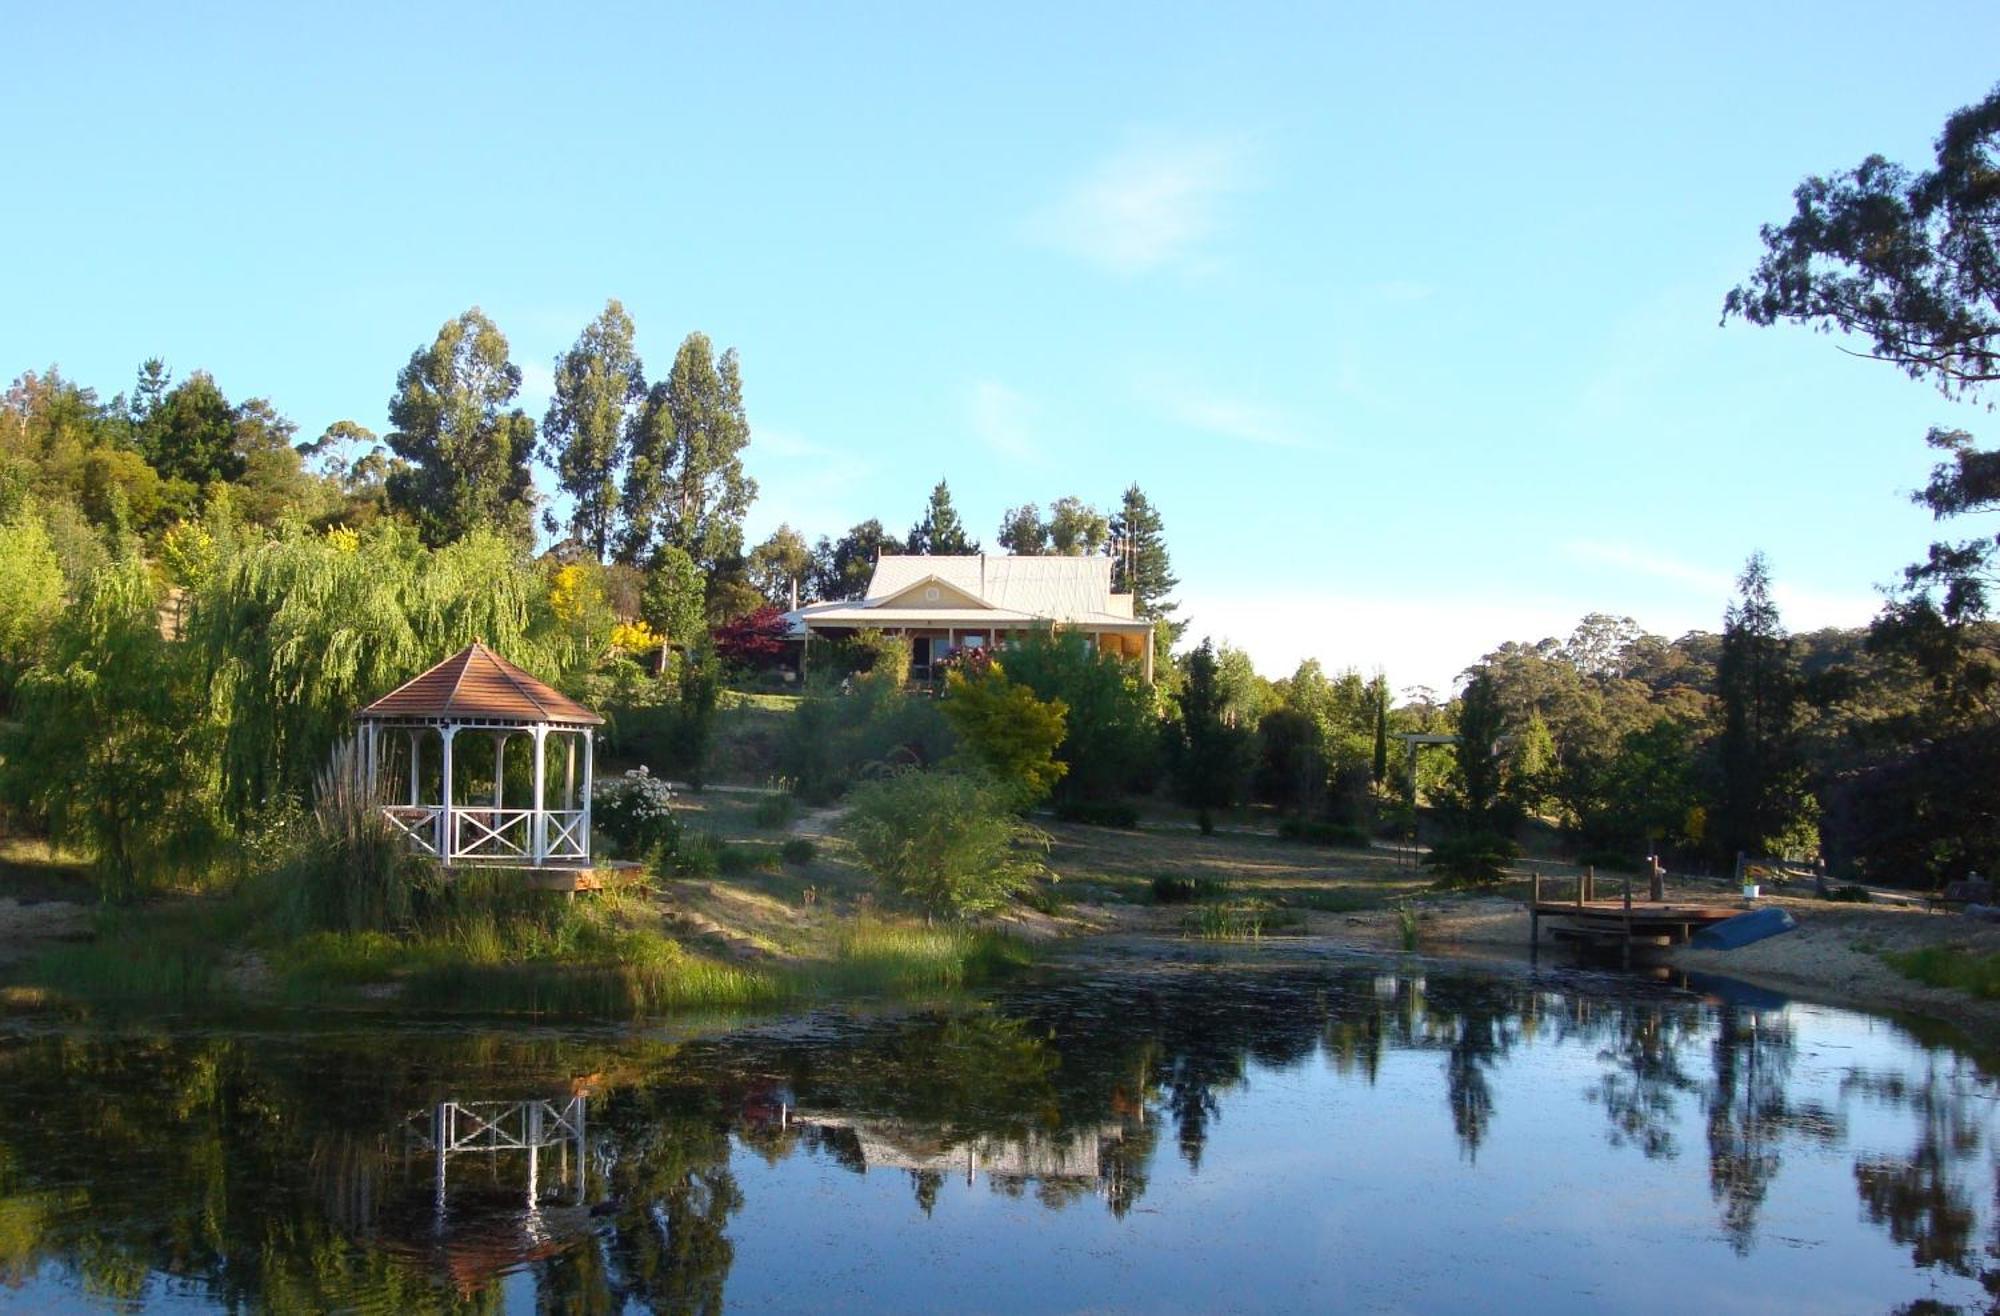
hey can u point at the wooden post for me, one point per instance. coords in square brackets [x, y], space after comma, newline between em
[589, 770]
[447, 833]
[416, 766]
[1535, 907]
[1628, 920]
[1657, 888]
[538, 835]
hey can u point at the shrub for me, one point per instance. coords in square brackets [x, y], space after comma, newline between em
[1473, 859]
[1186, 890]
[634, 812]
[797, 850]
[949, 843]
[774, 811]
[692, 856]
[1323, 833]
[1006, 730]
[1849, 895]
[742, 859]
[1098, 813]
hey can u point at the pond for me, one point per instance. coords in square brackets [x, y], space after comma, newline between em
[1315, 1135]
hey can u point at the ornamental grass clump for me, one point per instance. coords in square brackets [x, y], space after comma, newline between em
[349, 869]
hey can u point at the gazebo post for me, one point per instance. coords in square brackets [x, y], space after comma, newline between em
[589, 764]
[499, 771]
[447, 834]
[537, 829]
[569, 772]
[370, 755]
[416, 766]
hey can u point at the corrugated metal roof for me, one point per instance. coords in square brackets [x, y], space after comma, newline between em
[476, 682]
[1052, 588]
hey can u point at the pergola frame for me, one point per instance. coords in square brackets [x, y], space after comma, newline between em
[489, 834]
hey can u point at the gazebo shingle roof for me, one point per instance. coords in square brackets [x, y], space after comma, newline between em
[477, 683]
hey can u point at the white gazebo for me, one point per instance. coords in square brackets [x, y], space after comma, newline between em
[439, 741]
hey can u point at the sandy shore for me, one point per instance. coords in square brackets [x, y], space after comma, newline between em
[1834, 955]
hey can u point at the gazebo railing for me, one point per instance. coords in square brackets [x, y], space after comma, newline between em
[490, 833]
[481, 833]
[565, 837]
[418, 822]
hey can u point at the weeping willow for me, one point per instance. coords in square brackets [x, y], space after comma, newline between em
[156, 722]
[292, 634]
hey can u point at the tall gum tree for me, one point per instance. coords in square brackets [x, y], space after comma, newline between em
[466, 453]
[1910, 262]
[598, 383]
[685, 484]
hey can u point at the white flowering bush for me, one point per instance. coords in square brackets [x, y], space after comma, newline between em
[634, 812]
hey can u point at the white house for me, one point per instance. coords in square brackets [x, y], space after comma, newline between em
[946, 603]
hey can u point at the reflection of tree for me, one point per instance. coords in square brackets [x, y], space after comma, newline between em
[1639, 1091]
[1918, 1197]
[1749, 1116]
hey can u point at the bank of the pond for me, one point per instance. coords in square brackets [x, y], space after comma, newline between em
[815, 932]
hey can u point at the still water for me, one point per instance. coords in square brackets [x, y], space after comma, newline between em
[1168, 1137]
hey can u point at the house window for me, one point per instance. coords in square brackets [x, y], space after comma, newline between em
[972, 641]
[931, 595]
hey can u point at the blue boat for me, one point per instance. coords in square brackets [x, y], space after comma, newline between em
[1744, 929]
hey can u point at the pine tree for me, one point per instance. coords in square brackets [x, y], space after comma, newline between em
[1758, 756]
[685, 485]
[941, 533]
[597, 383]
[467, 455]
[1141, 566]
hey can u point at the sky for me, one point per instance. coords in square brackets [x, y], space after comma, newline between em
[1405, 317]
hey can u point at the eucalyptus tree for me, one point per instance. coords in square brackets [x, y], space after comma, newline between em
[598, 383]
[1076, 529]
[685, 484]
[842, 570]
[467, 454]
[1022, 532]
[781, 566]
[1910, 262]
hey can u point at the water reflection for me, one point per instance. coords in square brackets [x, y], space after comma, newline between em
[411, 1171]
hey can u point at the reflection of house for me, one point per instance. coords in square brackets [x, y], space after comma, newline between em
[1074, 1154]
[946, 603]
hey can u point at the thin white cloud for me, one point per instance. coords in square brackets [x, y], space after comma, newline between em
[1004, 420]
[1224, 417]
[1147, 207]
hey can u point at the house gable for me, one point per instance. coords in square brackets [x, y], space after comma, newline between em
[931, 592]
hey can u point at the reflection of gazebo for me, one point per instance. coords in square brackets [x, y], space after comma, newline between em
[471, 706]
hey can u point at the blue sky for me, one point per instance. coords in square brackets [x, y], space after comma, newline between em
[1405, 316]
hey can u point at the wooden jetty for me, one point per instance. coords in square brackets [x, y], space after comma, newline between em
[1620, 921]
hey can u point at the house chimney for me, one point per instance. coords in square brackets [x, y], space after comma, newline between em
[795, 593]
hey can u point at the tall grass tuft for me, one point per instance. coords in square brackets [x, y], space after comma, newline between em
[349, 870]
[1407, 927]
[876, 956]
[1950, 966]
